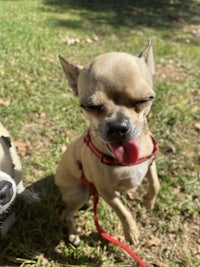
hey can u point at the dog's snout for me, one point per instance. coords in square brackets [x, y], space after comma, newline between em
[117, 130]
[6, 192]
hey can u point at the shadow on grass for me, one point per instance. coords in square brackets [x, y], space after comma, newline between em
[37, 233]
[156, 14]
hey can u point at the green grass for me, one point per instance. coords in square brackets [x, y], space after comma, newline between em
[40, 111]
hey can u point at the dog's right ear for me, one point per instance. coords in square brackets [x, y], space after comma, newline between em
[147, 56]
[72, 72]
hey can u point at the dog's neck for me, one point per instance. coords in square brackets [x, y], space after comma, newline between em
[108, 159]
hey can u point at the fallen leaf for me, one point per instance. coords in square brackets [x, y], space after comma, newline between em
[89, 41]
[197, 126]
[158, 263]
[77, 41]
[73, 41]
[95, 38]
[44, 262]
[40, 115]
[4, 102]
[23, 148]
[154, 241]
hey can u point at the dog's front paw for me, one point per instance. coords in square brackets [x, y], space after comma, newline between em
[132, 235]
[74, 239]
[149, 202]
[68, 222]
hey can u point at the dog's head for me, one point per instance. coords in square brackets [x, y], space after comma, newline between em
[8, 191]
[116, 92]
[10, 170]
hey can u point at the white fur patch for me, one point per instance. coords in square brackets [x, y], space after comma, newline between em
[139, 173]
[5, 177]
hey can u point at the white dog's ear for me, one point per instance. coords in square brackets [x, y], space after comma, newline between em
[147, 56]
[72, 72]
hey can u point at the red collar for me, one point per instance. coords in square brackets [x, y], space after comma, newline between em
[108, 160]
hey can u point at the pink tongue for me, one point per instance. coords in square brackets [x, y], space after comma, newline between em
[126, 153]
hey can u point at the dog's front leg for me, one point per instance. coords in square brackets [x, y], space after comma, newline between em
[154, 186]
[74, 196]
[129, 225]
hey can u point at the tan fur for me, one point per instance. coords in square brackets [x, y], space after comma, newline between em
[113, 84]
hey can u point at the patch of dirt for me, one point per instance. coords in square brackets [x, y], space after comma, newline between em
[171, 71]
[194, 29]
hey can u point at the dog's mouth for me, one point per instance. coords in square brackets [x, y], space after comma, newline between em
[126, 153]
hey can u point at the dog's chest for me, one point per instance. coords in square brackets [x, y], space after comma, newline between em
[132, 176]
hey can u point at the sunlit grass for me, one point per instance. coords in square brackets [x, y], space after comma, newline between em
[39, 110]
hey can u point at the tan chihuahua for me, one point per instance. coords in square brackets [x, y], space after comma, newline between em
[118, 150]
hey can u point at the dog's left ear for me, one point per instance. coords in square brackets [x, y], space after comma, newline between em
[147, 56]
[72, 72]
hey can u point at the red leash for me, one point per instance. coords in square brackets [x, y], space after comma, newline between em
[101, 231]
[105, 159]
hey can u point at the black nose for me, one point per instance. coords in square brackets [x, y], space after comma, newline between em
[6, 192]
[117, 130]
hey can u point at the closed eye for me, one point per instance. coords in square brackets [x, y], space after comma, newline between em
[92, 108]
[138, 105]
[145, 100]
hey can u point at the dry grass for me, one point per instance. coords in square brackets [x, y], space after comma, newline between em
[43, 116]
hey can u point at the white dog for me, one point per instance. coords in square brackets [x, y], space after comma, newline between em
[10, 178]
